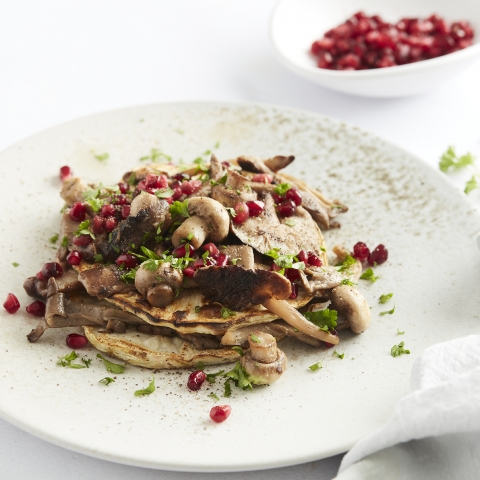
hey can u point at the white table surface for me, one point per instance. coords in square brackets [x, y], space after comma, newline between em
[62, 60]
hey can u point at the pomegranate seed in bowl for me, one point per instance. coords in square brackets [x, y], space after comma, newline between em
[75, 341]
[220, 413]
[36, 308]
[11, 304]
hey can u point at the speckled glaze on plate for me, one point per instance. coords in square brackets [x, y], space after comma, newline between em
[394, 199]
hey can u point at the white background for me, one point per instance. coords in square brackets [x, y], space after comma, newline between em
[63, 59]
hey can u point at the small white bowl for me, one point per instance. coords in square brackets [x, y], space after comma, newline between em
[296, 24]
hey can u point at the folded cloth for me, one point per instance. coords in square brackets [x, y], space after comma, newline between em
[434, 432]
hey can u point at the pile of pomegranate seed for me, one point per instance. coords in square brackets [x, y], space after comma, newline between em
[196, 379]
[75, 341]
[11, 304]
[376, 257]
[36, 308]
[220, 413]
[364, 42]
[287, 204]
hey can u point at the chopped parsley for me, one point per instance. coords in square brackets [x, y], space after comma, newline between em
[450, 160]
[65, 241]
[199, 366]
[282, 189]
[147, 391]
[324, 319]
[96, 203]
[164, 193]
[211, 377]
[151, 261]
[255, 338]
[155, 155]
[226, 312]
[15, 264]
[132, 179]
[198, 308]
[315, 366]
[399, 332]
[290, 223]
[54, 238]
[231, 211]
[388, 312]
[339, 355]
[347, 281]
[398, 350]
[239, 377]
[214, 396]
[102, 157]
[129, 277]
[110, 366]
[369, 274]
[83, 229]
[346, 264]
[67, 360]
[227, 389]
[87, 362]
[285, 261]
[385, 298]
[98, 258]
[179, 209]
[106, 380]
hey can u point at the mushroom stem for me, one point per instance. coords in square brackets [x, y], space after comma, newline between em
[196, 226]
[263, 347]
[297, 320]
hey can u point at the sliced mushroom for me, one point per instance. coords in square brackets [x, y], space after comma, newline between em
[159, 285]
[352, 307]
[279, 162]
[208, 219]
[242, 253]
[103, 281]
[263, 362]
[240, 335]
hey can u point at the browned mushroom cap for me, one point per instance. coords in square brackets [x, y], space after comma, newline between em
[238, 288]
[208, 219]
[263, 362]
[352, 306]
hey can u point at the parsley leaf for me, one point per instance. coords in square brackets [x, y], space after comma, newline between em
[285, 261]
[67, 360]
[102, 157]
[239, 377]
[106, 380]
[179, 208]
[347, 281]
[290, 223]
[369, 274]
[346, 264]
[282, 188]
[214, 396]
[164, 193]
[147, 391]
[83, 229]
[87, 362]
[110, 366]
[96, 204]
[315, 366]
[324, 319]
[339, 355]
[98, 258]
[228, 389]
[239, 350]
[65, 241]
[132, 179]
[399, 332]
[388, 312]
[211, 377]
[450, 160]
[129, 277]
[226, 312]
[385, 298]
[472, 184]
[15, 264]
[398, 350]
[231, 211]
[255, 338]
[54, 238]
[199, 366]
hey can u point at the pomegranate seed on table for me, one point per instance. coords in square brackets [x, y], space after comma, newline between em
[127, 260]
[74, 258]
[378, 256]
[212, 249]
[286, 208]
[294, 195]
[123, 187]
[65, 172]
[78, 212]
[360, 251]
[110, 224]
[242, 213]
[220, 413]
[107, 210]
[196, 379]
[11, 304]
[36, 308]
[82, 240]
[75, 340]
[52, 269]
[255, 207]
[262, 178]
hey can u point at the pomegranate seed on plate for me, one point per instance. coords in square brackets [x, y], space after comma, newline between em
[220, 413]
[40, 276]
[294, 195]
[119, 200]
[78, 212]
[180, 177]
[125, 211]
[52, 269]
[255, 207]
[292, 274]
[189, 272]
[98, 224]
[222, 259]
[181, 251]
[75, 340]
[196, 379]
[124, 187]
[82, 240]
[242, 213]
[360, 251]
[286, 208]
[262, 178]
[294, 293]
[36, 308]
[74, 258]
[110, 224]
[107, 210]
[313, 260]
[191, 187]
[212, 249]
[127, 260]
[11, 304]
[378, 256]
[177, 193]
[65, 172]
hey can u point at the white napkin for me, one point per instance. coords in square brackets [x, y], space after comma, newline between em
[434, 432]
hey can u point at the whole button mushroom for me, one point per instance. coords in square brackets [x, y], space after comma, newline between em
[208, 219]
[159, 285]
[352, 308]
[263, 362]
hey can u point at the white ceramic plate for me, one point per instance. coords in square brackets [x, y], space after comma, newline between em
[296, 24]
[428, 227]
